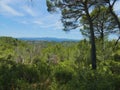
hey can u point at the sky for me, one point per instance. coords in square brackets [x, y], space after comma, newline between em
[23, 18]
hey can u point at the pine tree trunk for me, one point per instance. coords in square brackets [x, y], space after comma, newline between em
[92, 40]
[93, 47]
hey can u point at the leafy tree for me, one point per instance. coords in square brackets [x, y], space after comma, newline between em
[110, 4]
[103, 24]
[71, 11]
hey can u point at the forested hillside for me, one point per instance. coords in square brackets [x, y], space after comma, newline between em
[42, 65]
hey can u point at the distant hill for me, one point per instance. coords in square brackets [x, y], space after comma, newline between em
[47, 39]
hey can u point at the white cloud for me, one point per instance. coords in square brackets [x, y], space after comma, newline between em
[6, 1]
[52, 21]
[24, 22]
[43, 21]
[39, 18]
[7, 10]
[56, 25]
[29, 11]
[39, 22]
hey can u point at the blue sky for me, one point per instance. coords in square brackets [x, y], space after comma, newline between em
[23, 18]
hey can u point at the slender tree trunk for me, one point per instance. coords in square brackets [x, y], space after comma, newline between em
[102, 33]
[102, 38]
[92, 39]
[117, 21]
[93, 46]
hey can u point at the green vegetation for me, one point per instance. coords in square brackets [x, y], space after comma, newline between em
[40, 65]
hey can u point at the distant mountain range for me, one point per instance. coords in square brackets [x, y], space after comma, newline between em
[47, 39]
